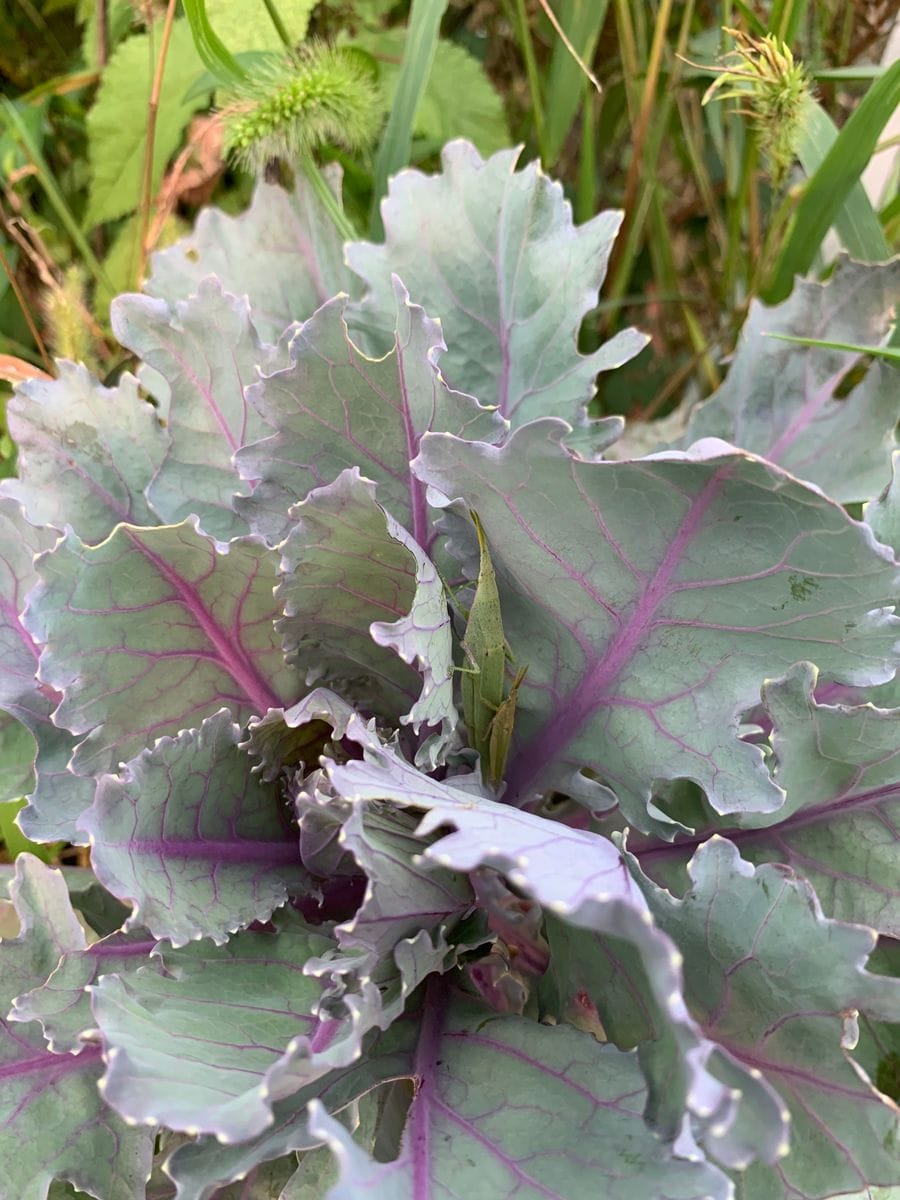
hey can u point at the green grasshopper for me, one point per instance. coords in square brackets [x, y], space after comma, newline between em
[488, 709]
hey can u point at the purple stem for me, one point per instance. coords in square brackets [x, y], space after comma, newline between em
[418, 1127]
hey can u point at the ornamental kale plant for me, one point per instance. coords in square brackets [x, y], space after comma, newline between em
[267, 600]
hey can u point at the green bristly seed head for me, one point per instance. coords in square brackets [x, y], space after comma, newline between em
[774, 88]
[322, 95]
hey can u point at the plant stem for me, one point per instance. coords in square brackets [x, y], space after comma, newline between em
[26, 313]
[280, 27]
[330, 203]
[586, 189]
[152, 111]
[649, 95]
[737, 209]
[642, 167]
[102, 33]
[534, 79]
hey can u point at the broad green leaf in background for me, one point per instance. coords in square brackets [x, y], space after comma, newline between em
[296, 265]
[512, 1107]
[458, 101]
[209, 46]
[121, 259]
[188, 630]
[496, 253]
[207, 350]
[191, 837]
[80, 1140]
[12, 838]
[704, 575]
[120, 17]
[246, 25]
[117, 121]
[776, 991]
[86, 452]
[781, 401]
[335, 407]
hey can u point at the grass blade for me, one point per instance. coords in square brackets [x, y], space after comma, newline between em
[54, 195]
[786, 18]
[857, 223]
[519, 18]
[393, 153]
[833, 181]
[582, 21]
[215, 54]
[889, 352]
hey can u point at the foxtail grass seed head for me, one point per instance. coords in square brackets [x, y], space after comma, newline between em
[67, 316]
[774, 87]
[321, 95]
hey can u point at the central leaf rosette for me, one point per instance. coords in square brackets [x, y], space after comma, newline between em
[244, 625]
